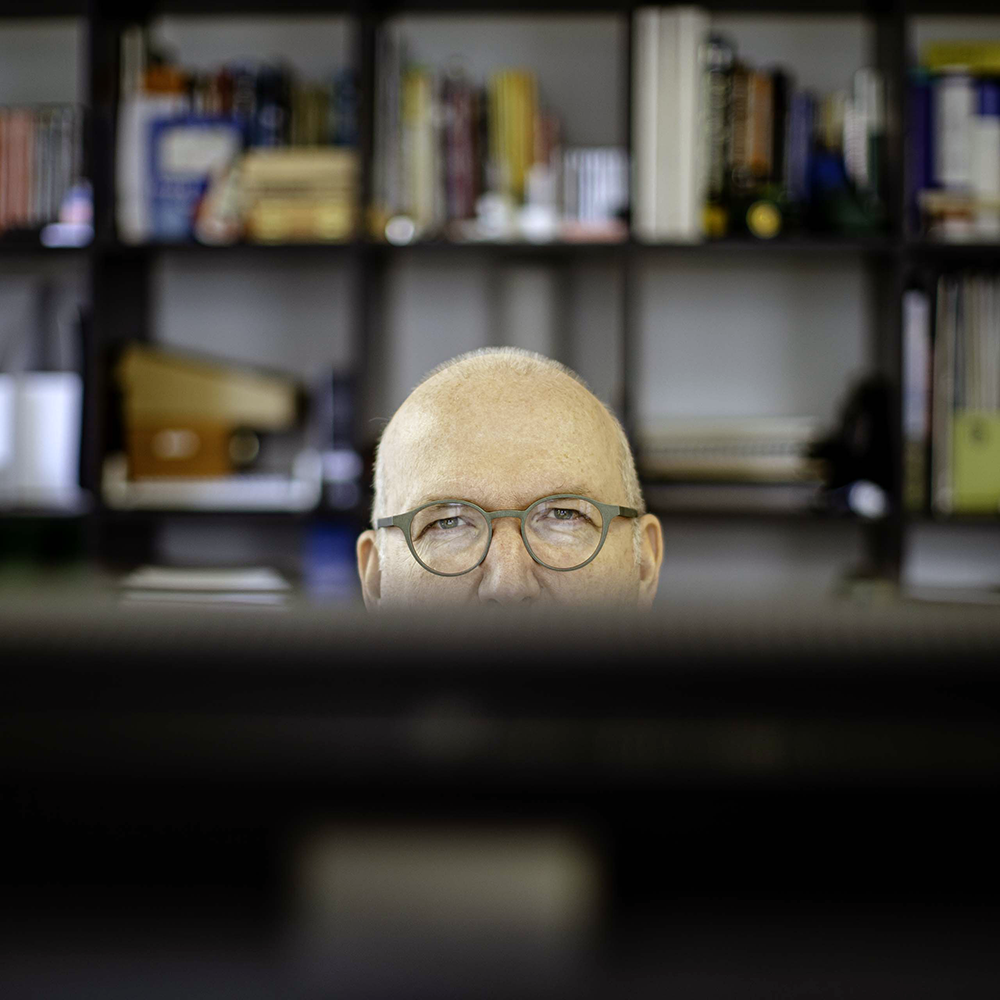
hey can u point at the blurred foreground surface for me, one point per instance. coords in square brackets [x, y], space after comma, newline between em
[742, 801]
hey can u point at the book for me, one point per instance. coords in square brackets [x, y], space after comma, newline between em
[916, 397]
[772, 449]
[645, 122]
[667, 122]
[185, 152]
[966, 395]
[718, 63]
[985, 159]
[40, 163]
[919, 161]
[256, 587]
[954, 107]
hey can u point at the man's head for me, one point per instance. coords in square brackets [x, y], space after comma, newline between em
[502, 428]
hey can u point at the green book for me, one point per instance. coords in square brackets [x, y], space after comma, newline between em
[976, 462]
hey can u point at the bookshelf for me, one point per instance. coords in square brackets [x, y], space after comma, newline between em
[121, 277]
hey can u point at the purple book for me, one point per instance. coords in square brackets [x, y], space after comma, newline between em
[801, 112]
[919, 146]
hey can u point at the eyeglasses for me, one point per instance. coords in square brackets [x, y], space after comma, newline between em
[562, 532]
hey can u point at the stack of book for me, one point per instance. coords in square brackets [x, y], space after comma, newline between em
[41, 155]
[965, 456]
[758, 464]
[954, 141]
[723, 147]
[471, 160]
[255, 587]
[182, 137]
[298, 195]
[753, 449]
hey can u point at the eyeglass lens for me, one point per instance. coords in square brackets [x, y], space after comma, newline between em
[452, 538]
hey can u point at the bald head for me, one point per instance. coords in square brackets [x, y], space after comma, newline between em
[472, 399]
[504, 428]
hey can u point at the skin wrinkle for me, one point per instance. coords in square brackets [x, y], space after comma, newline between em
[502, 428]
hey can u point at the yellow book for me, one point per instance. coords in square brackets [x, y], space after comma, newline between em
[972, 56]
[976, 462]
[418, 138]
[514, 120]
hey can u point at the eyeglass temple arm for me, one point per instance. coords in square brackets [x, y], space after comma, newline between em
[384, 522]
[628, 512]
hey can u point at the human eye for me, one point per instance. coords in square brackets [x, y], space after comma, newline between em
[565, 513]
[438, 522]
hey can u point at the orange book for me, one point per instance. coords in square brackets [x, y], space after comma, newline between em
[761, 125]
[3, 169]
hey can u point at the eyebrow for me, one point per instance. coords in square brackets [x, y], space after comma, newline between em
[573, 488]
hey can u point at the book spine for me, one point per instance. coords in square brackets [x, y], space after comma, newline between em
[762, 127]
[345, 101]
[739, 168]
[718, 88]
[986, 158]
[800, 131]
[668, 121]
[780, 97]
[645, 91]
[954, 104]
[920, 147]
[916, 396]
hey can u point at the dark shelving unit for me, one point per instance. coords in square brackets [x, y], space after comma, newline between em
[120, 273]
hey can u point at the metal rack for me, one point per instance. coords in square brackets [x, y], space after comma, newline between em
[119, 274]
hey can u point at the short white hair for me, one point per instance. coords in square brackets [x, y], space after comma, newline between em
[491, 361]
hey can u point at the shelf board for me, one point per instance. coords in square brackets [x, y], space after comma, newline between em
[959, 520]
[751, 500]
[625, 6]
[319, 514]
[29, 244]
[131, 9]
[114, 248]
[811, 245]
[43, 8]
[820, 243]
[935, 252]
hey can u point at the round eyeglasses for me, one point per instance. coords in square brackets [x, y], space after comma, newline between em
[561, 532]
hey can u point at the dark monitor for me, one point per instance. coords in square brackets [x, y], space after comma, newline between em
[739, 802]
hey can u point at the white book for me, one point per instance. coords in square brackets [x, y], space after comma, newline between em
[693, 27]
[954, 108]
[645, 92]
[667, 121]
[917, 364]
[943, 394]
[180, 578]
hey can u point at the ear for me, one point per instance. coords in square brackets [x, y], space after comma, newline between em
[651, 560]
[369, 570]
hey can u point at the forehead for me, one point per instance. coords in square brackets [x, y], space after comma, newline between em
[501, 444]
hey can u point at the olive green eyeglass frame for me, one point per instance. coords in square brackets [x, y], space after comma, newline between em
[609, 512]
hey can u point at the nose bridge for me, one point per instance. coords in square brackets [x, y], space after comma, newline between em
[498, 518]
[508, 569]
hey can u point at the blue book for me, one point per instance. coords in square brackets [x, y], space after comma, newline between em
[801, 113]
[988, 98]
[184, 153]
[920, 147]
[344, 109]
